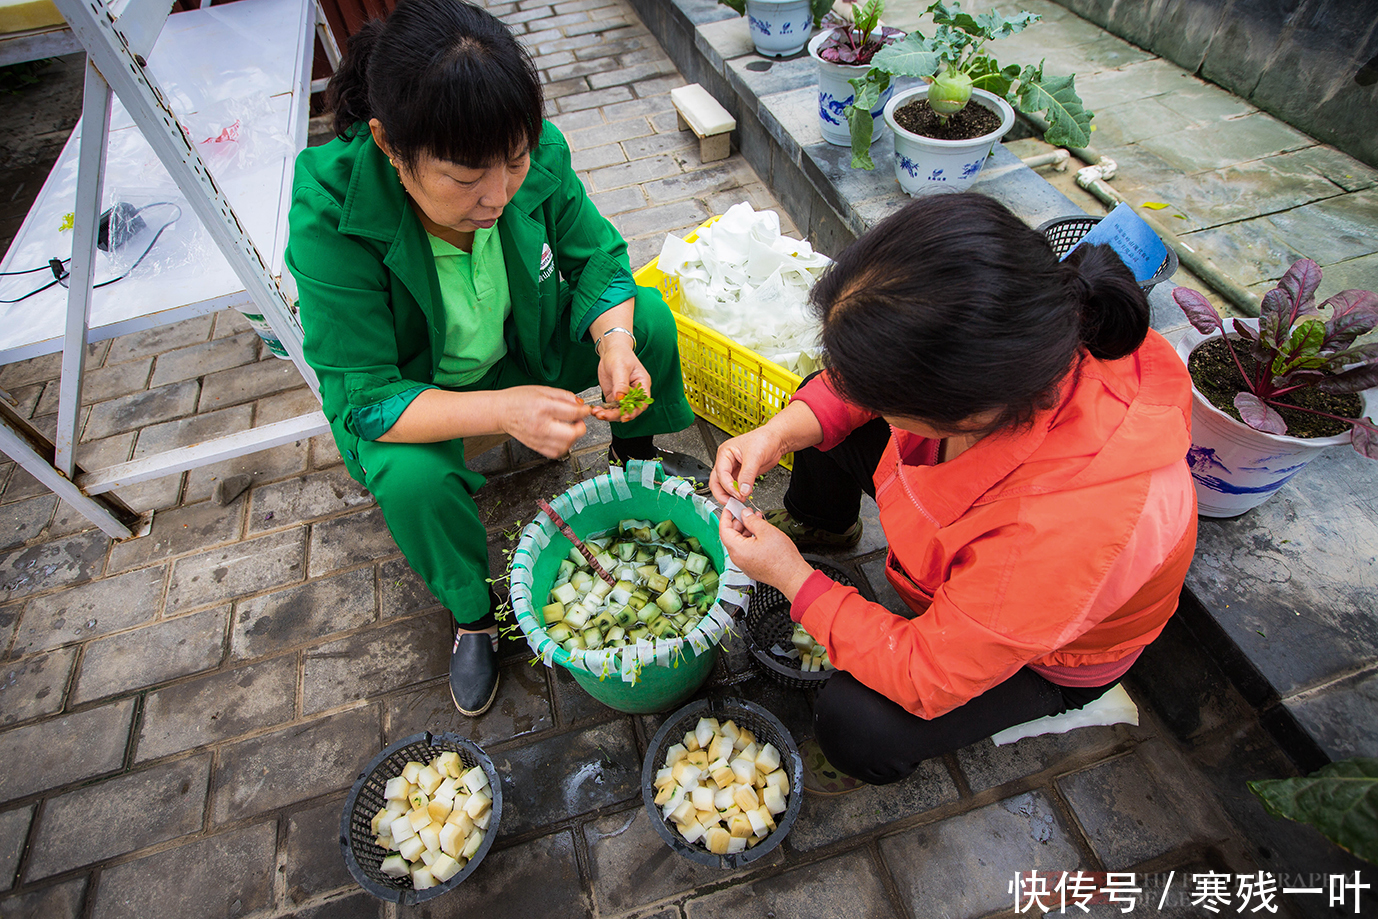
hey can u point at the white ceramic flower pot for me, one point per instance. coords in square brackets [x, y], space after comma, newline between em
[835, 93]
[1235, 467]
[925, 165]
[779, 28]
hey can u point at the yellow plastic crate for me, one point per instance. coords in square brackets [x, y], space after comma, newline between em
[728, 385]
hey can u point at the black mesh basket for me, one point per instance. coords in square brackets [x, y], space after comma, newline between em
[1065, 232]
[767, 729]
[363, 855]
[767, 624]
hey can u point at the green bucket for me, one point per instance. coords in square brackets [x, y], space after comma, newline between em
[650, 676]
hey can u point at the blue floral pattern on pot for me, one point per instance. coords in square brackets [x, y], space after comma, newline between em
[1203, 459]
[759, 25]
[970, 169]
[830, 108]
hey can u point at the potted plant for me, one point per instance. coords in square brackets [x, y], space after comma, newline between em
[844, 52]
[941, 142]
[780, 28]
[1269, 396]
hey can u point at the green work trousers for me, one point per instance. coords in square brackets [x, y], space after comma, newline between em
[426, 491]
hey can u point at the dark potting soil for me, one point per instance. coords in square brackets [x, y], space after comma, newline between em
[973, 121]
[1217, 378]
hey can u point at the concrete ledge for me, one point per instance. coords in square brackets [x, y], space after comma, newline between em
[1285, 598]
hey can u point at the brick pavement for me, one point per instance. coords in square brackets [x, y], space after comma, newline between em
[181, 715]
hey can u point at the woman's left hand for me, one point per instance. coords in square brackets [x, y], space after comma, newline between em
[619, 370]
[763, 552]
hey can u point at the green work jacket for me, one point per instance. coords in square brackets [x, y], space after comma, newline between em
[369, 295]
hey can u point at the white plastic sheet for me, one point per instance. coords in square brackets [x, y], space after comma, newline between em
[742, 278]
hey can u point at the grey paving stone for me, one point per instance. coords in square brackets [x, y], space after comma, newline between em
[1276, 185]
[1339, 716]
[301, 762]
[933, 864]
[634, 173]
[1355, 274]
[521, 708]
[122, 814]
[157, 438]
[848, 885]
[556, 59]
[101, 385]
[639, 108]
[284, 405]
[325, 453]
[630, 865]
[603, 23]
[178, 531]
[152, 654]
[699, 181]
[218, 707]
[536, 878]
[31, 370]
[401, 591]
[313, 610]
[560, 777]
[824, 820]
[9, 620]
[163, 338]
[1145, 79]
[90, 610]
[985, 765]
[361, 905]
[25, 520]
[637, 73]
[1128, 813]
[1177, 679]
[34, 686]
[127, 413]
[46, 749]
[14, 830]
[230, 322]
[1128, 122]
[242, 568]
[1334, 230]
[314, 864]
[1249, 251]
[1343, 170]
[597, 157]
[50, 565]
[658, 143]
[618, 200]
[583, 69]
[25, 399]
[393, 656]
[349, 540]
[578, 101]
[507, 499]
[305, 498]
[554, 91]
[1219, 144]
[573, 703]
[63, 900]
[657, 221]
[207, 357]
[246, 383]
[264, 466]
[659, 86]
[225, 875]
[572, 122]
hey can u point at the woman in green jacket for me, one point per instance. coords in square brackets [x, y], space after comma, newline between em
[455, 281]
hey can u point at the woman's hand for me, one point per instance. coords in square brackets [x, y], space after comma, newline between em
[619, 370]
[763, 552]
[741, 460]
[546, 419]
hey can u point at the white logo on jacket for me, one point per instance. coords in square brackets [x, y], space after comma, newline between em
[547, 261]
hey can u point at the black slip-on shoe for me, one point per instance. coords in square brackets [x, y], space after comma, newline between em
[473, 673]
[676, 464]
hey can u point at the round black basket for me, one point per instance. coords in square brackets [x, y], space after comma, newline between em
[363, 855]
[768, 729]
[1065, 232]
[766, 624]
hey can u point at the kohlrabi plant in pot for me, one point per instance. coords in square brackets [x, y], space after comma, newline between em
[955, 60]
[1278, 389]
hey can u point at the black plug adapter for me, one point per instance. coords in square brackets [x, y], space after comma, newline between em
[118, 225]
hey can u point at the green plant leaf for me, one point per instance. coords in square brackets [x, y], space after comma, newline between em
[819, 9]
[737, 5]
[1069, 124]
[859, 121]
[867, 17]
[911, 57]
[986, 74]
[993, 25]
[1340, 800]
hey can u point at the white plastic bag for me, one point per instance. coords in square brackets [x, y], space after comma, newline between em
[743, 279]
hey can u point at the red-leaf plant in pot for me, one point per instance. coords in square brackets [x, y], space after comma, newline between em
[1297, 359]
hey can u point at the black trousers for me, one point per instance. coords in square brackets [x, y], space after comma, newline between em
[860, 731]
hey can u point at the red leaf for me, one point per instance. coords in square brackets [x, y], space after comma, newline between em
[1200, 313]
[1364, 437]
[1258, 415]
[1300, 283]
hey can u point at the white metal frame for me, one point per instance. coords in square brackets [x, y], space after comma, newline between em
[116, 48]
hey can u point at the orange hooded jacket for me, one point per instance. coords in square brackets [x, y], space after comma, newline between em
[1062, 546]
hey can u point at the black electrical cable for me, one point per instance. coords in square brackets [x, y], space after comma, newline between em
[59, 266]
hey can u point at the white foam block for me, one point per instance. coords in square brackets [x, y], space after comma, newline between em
[702, 112]
[1115, 707]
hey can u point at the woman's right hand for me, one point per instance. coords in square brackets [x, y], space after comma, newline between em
[741, 460]
[546, 419]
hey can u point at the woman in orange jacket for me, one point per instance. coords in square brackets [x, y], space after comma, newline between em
[1024, 435]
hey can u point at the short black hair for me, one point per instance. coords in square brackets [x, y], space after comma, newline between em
[954, 307]
[444, 78]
